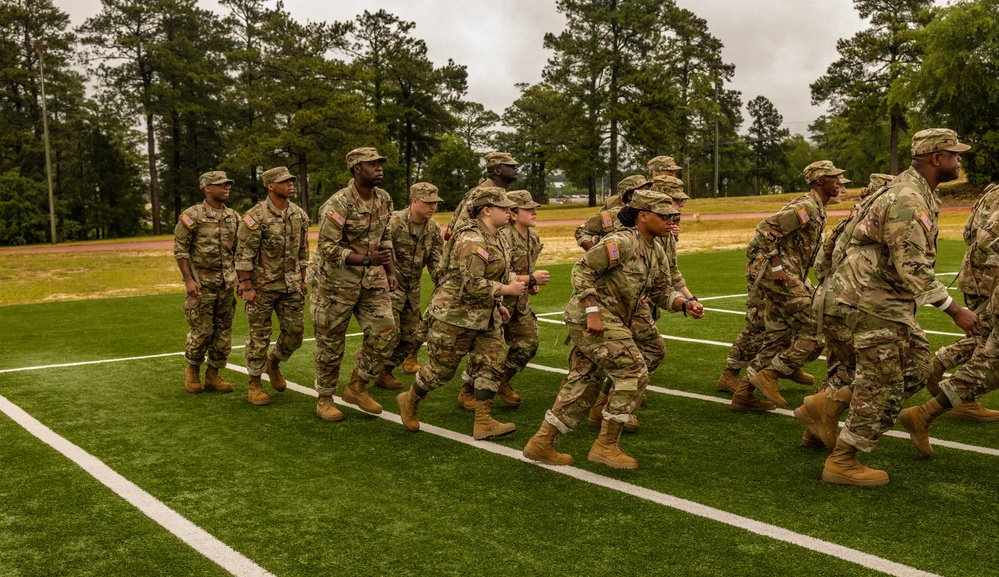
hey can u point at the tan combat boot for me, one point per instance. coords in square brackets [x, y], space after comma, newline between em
[541, 447]
[326, 410]
[801, 377]
[256, 394]
[811, 441]
[596, 411]
[765, 381]
[506, 391]
[356, 393]
[728, 381]
[843, 468]
[412, 363]
[386, 380]
[820, 414]
[974, 412]
[408, 402]
[466, 397]
[486, 427]
[936, 375]
[213, 382]
[274, 373]
[917, 421]
[192, 378]
[605, 449]
[745, 400]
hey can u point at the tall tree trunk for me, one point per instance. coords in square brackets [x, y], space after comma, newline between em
[896, 122]
[303, 179]
[409, 157]
[175, 163]
[154, 184]
[591, 182]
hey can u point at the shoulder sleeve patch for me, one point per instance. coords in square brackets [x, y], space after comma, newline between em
[248, 219]
[612, 252]
[187, 220]
[925, 220]
[606, 219]
[338, 218]
[803, 215]
[482, 253]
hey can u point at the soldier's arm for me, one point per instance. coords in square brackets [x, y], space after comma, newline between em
[436, 255]
[907, 235]
[182, 241]
[247, 247]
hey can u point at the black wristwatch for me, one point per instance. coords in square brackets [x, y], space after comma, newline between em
[366, 261]
[531, 281]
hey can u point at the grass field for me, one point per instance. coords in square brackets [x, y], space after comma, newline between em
[273, 490]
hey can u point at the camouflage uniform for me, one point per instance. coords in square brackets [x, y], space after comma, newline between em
[521, 331]
[274, 247]
[618, 272]
[413, 249]
[348, 224]
[462, 212]
[747, 345]
[207, 239]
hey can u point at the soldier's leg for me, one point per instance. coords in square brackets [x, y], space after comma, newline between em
[199, 313]
[806, 344]
[648, 338]
[258, 317]
[486, 357]
[521, 335]
[330, 318]
[374, 314]
[745, 347]
[447, 344]
[290, 309]
[406, 323]
[223, 314]
[581, 387]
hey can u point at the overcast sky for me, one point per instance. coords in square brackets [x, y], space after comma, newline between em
[778, 46]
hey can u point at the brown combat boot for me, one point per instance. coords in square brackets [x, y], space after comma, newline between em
[917, 421]
[801, 377]
[326, 410]
[936, 375]
[213, 382]
[412, 363]
[541, 447]
[745, 400]
[408, 402]
[811, 441]
[728, 381]
[274, 373]
[192, 378]
[596, 411]
[974, 412]
[356, 393]
[820, 414]
[631, 426]
[386, 380]
[765, 381]
[605, 449]
[256, 393]
[466, 397]
[486, 427]
[506, 391]
[842, 467]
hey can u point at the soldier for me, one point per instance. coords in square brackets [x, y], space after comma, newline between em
[663, 166]
[608, 282]
[272, 254]
[666, 183]
[204, 244]
[887, 260]
[354, 275]
[788, 242]
[417, 242]
[466, 313]
[501, 171]
[605, 221]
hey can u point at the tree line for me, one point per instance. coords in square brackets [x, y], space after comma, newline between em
[148, 94]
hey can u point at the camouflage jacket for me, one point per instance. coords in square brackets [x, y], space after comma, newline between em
[349, 225]
[824, 258]
[598, 226]
[612, 202]
[523, 260]
[461, 213]
[888, 258]
[791, 234]
[669, 247]
[621, 269]
[209, 244]
[975, 278]
[274, 246]
[476, 264]
[411, 253]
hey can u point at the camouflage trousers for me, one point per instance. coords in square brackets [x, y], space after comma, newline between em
[331, 312]
[648, 337]
[447, 344]
[521, 336]
[290, 309]
[406, 334]
[893, 362]
[979, 375]
[961, 352]
[791, 338]
[590, 359]
[210, 317]
[747, 344]
[841, 359]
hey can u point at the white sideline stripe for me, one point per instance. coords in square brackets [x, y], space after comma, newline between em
[197, 538]
[690, 507]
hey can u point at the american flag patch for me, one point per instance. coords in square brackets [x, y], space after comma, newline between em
[338, 218]
[483, 253]
[925, 219]
[249, 220]
[606, 217]
[188, 221]
[612, 251]
[803, 215]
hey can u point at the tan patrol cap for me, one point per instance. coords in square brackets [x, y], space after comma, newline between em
[934, 139]
[844, 180]
[819, 169]
[497, 158]
[424, 191]
[522, 199]
[277, 174]
[670, 185]
[653, 201]
[214, 177]
[630, 183]
[363, 154]
[663, 163]
[493, 195]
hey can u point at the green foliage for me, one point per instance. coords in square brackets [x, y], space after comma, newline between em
[22, 220]
[767, 139]
[453, 169]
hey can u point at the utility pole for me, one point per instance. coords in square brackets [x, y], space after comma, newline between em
[717, 114]
[40, 47]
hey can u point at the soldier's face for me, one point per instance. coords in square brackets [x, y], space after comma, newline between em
[498, 216]
[422, 211]
[524, 217]
[218, 192]
[949, 165]
[507, 172]
[283, 189]
[370, 173]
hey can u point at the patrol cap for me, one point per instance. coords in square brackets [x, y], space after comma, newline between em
[214, 177]
[670, 185]
[663, 163]
[277, 174]
[630, 183]
[522, 199]
[424, 191]
[497, 158]
[819, 169]
[878, 180]
[363, 154]
[653, 201]
[934, 139]
[493, 195]
[844, 180]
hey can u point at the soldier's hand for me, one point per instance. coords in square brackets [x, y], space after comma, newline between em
[380, 256]
[192, 288]
[967, 320]
[534, 290]
[779, 277]
[249, 295]
[515, 288]
[393, 282]
[504, 313]
[695, 309]
[305, 288]
[542, 277]
[595, 324]
[676, 230]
